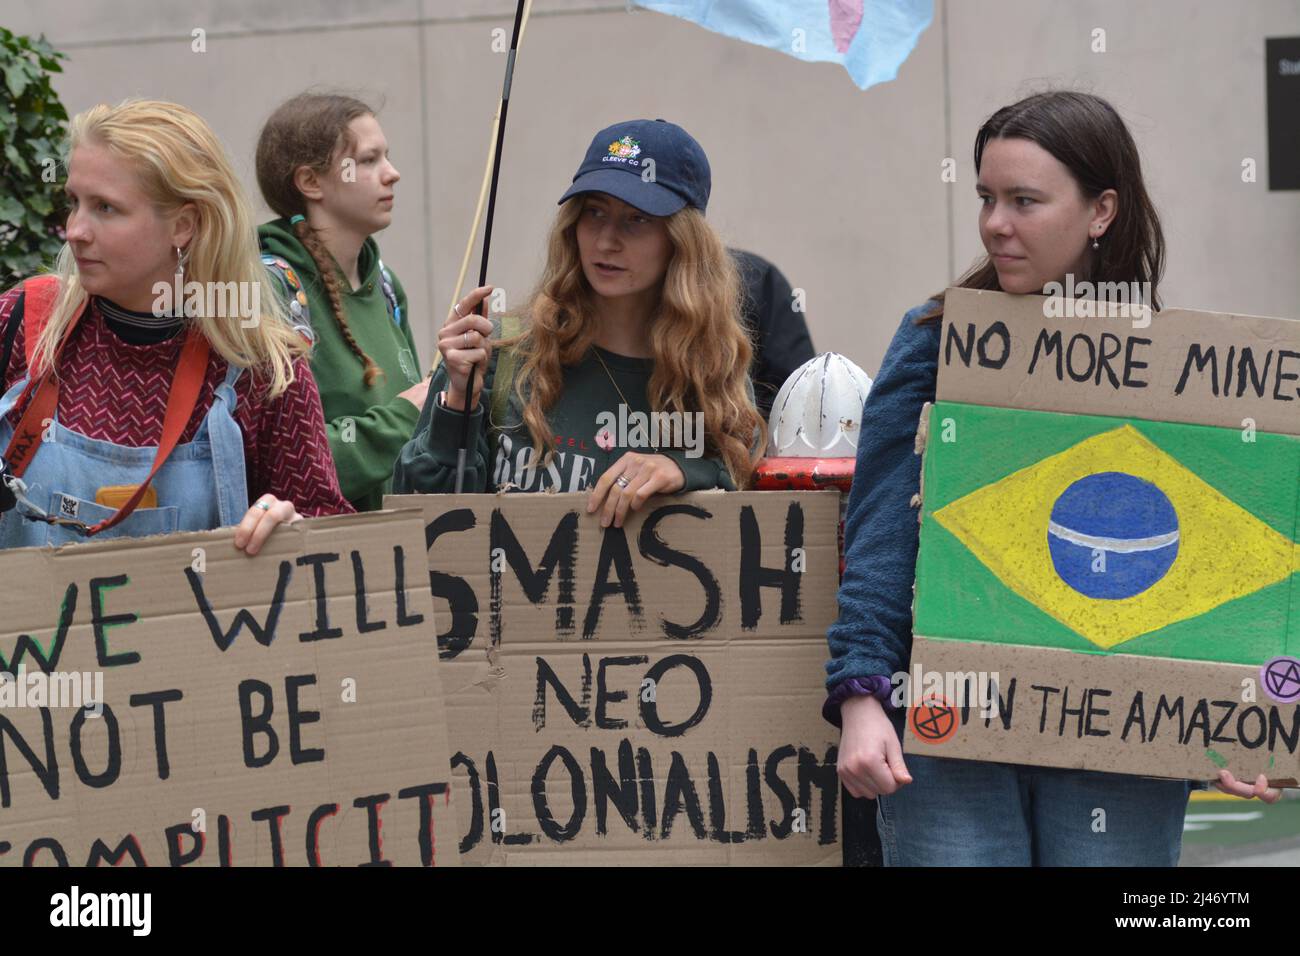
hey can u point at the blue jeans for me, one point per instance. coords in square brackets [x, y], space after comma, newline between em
[975, 813]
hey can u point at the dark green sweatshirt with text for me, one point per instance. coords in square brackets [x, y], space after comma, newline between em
[502, 453]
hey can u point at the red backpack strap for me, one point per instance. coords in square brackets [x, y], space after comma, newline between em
[39, 296]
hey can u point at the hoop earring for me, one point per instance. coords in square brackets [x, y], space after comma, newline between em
[178, 308]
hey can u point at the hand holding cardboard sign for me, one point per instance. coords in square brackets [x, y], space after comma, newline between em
[1227, 783]
[260, 521]
[629, 483]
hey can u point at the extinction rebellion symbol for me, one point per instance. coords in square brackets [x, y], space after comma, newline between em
[933, 720]
[1281, 677]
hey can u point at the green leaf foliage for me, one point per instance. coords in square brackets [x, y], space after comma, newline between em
[32, 123]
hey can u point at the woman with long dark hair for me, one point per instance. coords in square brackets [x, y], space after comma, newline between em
[1062, 195]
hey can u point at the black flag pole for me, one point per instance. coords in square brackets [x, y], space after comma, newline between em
[499, 136]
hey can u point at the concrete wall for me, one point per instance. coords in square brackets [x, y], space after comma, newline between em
[841, 188]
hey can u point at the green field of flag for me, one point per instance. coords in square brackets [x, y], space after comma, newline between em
[1026, 513]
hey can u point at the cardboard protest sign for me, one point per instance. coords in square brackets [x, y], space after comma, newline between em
[1113, 590]
[1178, 365]
[282, 709]
[650, 694]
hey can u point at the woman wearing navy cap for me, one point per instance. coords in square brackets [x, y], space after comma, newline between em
[637, 314]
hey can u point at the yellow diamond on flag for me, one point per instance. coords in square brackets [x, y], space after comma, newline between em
[1049, 532]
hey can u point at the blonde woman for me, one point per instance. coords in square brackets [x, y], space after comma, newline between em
[152, 383]
[629, 378]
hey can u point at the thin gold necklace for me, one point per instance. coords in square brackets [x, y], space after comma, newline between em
[610, 375]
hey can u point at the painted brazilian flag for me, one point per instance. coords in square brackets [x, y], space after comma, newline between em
[1109, 535]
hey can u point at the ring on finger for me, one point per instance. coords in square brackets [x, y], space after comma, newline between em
[264, 505]
[622, 481]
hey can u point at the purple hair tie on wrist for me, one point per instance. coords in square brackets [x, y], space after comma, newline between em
[877, 686]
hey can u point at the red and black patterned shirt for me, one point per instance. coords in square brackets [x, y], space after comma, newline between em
[117, 391]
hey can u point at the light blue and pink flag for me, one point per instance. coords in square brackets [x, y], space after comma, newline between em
[871, 38]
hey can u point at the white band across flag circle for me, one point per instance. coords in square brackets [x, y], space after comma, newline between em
[1114, 545]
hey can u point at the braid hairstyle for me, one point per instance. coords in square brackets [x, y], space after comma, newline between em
[329, 277]
[311, 129]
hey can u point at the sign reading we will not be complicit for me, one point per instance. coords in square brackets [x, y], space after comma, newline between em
[650, 694]
[277, 710]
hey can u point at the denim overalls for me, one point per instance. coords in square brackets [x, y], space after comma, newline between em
[202, 485]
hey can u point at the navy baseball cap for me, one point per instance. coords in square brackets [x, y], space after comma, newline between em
[653, 165]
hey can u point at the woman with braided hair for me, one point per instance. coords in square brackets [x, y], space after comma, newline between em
[323, 168]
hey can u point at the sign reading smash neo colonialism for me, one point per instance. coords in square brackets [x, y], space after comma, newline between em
[1128, 574]
[647, 694]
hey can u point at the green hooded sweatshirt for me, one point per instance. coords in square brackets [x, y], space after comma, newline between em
[367, 427]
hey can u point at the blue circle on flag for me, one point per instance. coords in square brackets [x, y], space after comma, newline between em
[1112, 535]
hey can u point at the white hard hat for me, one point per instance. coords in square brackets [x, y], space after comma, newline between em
[818, 411]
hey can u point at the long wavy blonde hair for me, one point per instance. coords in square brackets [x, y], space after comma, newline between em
[178, 160]
[701, 349]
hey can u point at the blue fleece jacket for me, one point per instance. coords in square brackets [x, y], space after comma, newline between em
[873, 635]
